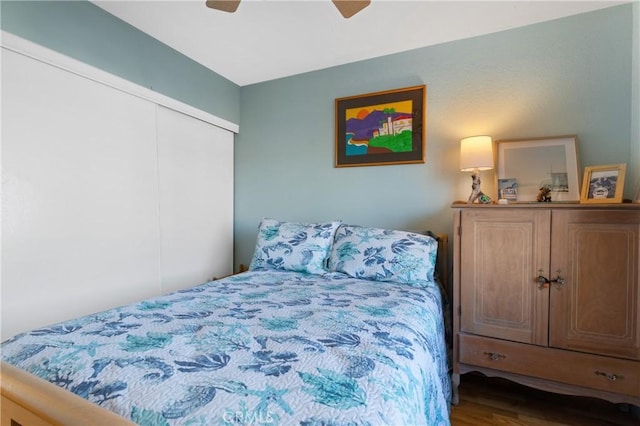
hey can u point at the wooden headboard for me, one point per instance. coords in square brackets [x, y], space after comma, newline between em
[442, 263]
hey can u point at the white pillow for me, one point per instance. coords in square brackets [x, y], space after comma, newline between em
[383, 254]
[291, 246]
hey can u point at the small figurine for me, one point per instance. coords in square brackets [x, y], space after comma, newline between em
[544, 195]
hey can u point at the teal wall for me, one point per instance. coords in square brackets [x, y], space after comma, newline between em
[83, 31]
[568, 76]
[577, 75]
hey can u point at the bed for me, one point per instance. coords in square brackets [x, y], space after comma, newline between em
[332, 324]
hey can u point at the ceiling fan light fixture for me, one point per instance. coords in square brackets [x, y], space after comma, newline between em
[224, 5]
[348, 8]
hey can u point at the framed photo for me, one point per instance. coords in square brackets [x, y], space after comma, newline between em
[603, 184]
[508, 189]
[531, 165]
[381, 128]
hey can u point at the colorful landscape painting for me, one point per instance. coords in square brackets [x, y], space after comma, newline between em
[379, 129]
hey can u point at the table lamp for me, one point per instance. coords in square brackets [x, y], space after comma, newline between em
[476, 154]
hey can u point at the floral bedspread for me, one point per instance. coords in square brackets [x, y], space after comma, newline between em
[261, 347]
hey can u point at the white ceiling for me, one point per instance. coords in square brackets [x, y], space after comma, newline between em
[268, 39]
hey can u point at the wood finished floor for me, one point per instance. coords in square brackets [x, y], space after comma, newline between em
[493, 401]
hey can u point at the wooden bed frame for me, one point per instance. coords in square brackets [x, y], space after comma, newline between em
[27, 400]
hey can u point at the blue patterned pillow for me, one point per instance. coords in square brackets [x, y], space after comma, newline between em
[290, 246]
[383, 254]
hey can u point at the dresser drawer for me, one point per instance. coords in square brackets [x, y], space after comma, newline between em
[575, 368]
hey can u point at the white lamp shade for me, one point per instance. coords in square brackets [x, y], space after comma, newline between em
[476, 152]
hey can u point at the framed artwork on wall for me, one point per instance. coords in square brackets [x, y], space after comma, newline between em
[381, 128]
[534, 164]
[603, 184]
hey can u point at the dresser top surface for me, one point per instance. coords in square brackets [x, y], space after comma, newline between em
[551, 205]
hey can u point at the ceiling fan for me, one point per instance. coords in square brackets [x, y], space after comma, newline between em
[347, 8]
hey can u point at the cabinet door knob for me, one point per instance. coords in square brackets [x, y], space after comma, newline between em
[544, 282]
[558, 280]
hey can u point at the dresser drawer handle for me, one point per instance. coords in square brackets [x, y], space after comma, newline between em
[612, 377]
[494, 356]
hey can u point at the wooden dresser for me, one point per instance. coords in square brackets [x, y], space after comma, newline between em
[547, 295]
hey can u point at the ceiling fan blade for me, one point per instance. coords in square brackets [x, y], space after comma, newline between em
[348, 8]
[224, 5]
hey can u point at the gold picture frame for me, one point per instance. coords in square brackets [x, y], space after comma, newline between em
[603, 184]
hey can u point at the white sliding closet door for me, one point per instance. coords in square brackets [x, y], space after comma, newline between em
[79, 195]
[107, 197]
[195, 161]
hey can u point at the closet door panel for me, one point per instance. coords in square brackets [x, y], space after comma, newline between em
[196, 200]
[79, 196]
